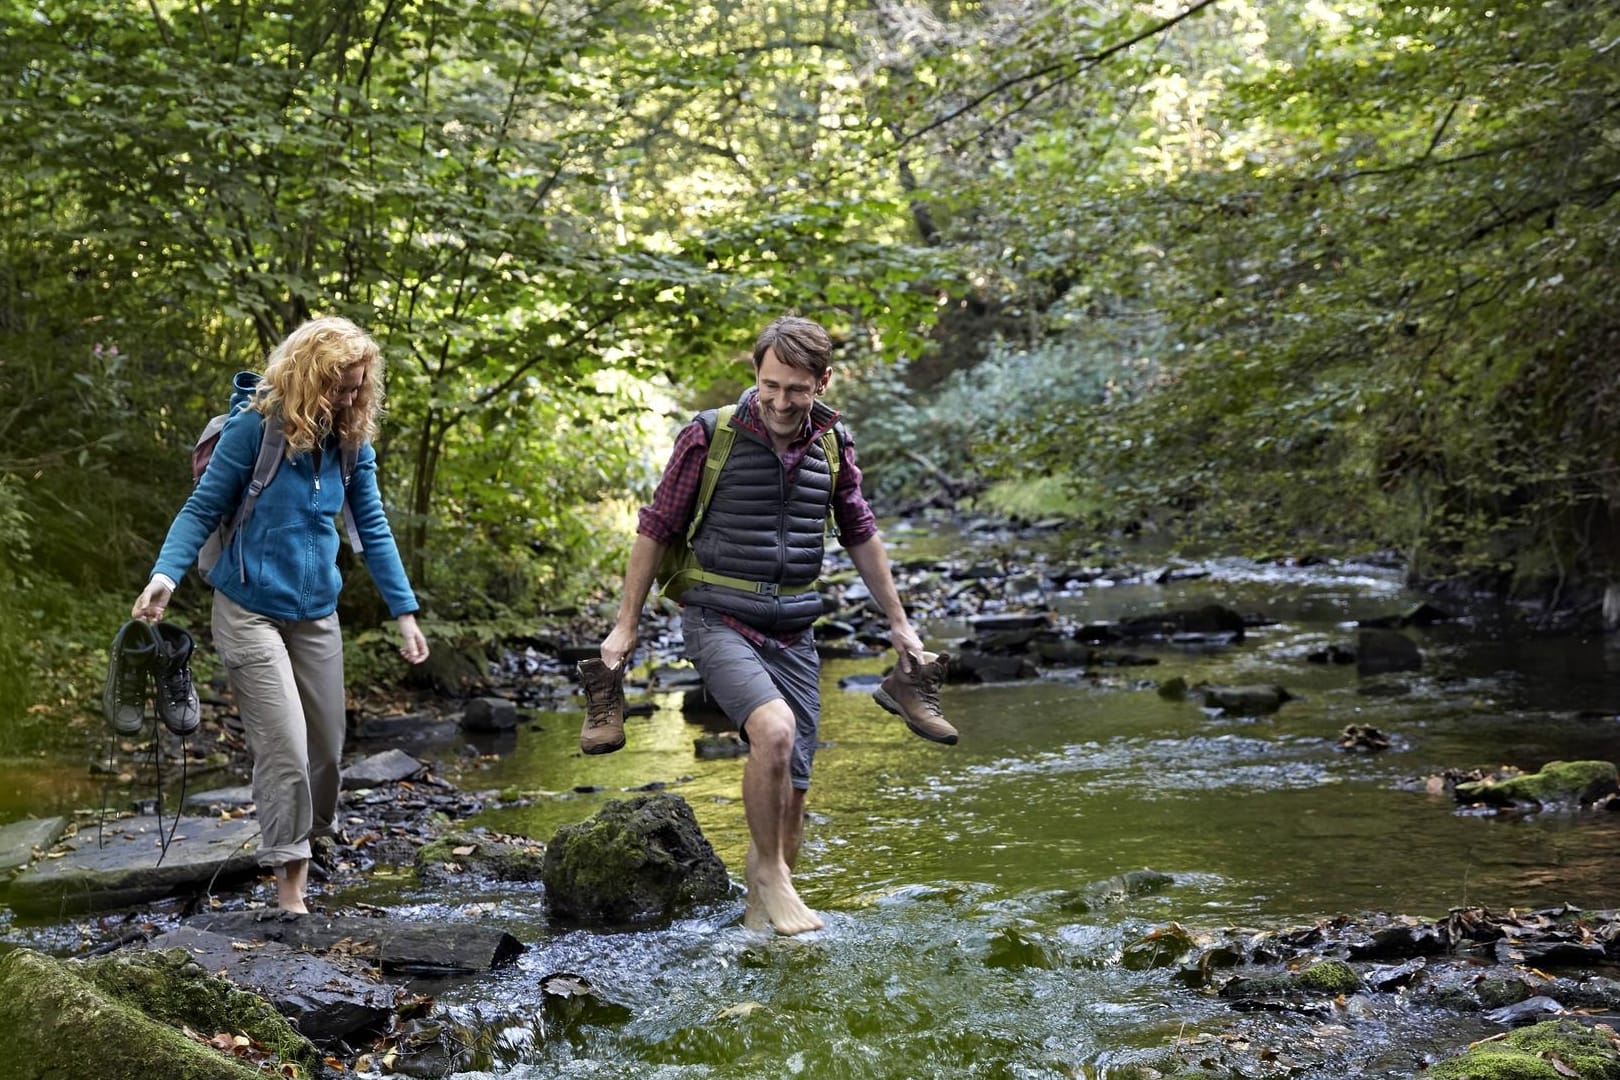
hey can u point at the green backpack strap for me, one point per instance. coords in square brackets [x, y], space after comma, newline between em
[721, 439]
[832, 447]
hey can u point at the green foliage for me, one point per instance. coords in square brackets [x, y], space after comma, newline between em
[1375, 241]
[991, 418]
[1250, 273]
[53, 658]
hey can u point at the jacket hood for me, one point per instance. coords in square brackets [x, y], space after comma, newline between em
[243, 388]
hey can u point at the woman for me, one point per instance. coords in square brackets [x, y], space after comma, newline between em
[276, 588]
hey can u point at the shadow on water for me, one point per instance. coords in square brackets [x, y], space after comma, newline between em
[943, 872]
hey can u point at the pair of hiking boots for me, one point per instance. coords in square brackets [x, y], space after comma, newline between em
[156, 656]
[912, 697]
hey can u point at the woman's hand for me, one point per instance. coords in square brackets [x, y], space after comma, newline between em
[153, 601]
[412, 645]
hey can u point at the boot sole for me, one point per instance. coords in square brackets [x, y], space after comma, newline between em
[883, 699]
[605, 748]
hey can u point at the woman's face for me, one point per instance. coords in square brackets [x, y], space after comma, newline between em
[350, 382]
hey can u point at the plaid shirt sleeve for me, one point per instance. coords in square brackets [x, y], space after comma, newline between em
[856, 522]
[675, 498]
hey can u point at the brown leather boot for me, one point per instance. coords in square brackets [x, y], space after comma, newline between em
[603, 731]
[915, 698]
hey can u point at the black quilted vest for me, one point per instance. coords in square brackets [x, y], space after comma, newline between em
[766, 526]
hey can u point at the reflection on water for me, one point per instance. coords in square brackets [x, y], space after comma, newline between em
[946, 953]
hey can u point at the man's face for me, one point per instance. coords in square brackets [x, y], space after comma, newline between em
[785, 395]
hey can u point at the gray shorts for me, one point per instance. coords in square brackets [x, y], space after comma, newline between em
[741, 676]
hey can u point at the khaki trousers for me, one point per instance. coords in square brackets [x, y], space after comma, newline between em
[287, 678]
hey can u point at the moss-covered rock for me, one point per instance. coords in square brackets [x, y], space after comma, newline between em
[1557, 782]
[1551, 1051]
[1326, 977]
[172, 988]
[1495, 992]
[636, 860]
[1329, 977]
[57, 1020]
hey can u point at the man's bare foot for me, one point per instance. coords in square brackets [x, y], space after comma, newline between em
[773, 903]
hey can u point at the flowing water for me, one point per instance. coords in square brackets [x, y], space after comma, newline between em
[945, 873]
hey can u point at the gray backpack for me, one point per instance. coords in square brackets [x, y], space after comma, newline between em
[272, 450]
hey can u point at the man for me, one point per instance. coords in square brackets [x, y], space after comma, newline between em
[753, 646]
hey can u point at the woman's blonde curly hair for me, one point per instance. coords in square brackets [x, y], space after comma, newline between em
[304, 371]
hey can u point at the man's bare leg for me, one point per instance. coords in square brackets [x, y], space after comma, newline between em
[768, 798]
[793, 827]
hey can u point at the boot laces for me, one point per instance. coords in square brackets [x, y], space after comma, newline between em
[602, 703]
[177, 688]
[926, 686]
[132, 683]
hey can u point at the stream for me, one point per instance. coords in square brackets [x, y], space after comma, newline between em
[947, 875]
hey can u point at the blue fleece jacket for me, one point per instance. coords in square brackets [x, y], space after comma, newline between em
[288, 548]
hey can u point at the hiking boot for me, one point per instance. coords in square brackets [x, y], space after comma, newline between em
[603, 731]
[177, 703]
[130, 662]
[915, 698]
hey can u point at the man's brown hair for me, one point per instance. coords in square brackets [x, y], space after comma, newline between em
[798, 342]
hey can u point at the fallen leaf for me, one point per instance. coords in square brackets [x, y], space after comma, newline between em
[1562, 1069]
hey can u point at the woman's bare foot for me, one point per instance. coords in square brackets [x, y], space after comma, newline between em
[291, 879]
[773, 903]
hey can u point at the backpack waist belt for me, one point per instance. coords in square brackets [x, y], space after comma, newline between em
[693, 575]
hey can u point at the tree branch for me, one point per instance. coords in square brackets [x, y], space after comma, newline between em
[1064, 70]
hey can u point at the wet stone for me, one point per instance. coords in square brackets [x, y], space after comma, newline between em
[325, 1003]
[388, 767]
[718, 747]
[1381, 651]
[132, 867]
[489, 714]
[19, 839]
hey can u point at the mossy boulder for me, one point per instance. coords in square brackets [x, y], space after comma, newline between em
[1557, 782]
[1554, 1050]
[119, 1018]
[1329, 977]
[636, 861]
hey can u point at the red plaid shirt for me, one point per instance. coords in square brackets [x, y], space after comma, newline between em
[675, 499]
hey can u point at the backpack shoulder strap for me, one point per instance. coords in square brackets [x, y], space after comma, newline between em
[717, 422]
[351, 461]
[832, 445]
[272, 448]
